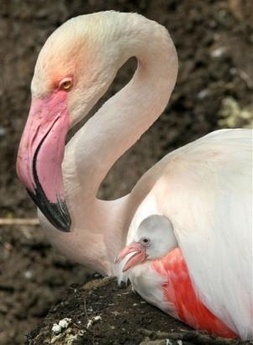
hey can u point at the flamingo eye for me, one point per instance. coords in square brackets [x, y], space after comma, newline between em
[65, 84]
[145, 241]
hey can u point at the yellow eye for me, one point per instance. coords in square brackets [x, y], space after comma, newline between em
[65, 84]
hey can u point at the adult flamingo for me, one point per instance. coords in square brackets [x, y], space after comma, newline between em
[204, 188]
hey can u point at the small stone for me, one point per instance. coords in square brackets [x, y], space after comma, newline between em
[56, 328]
[64, 322]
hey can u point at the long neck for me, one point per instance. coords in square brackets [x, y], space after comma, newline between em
[121, 121]
[113, 129]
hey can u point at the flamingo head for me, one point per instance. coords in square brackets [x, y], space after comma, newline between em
[153, 239]
[74, 69]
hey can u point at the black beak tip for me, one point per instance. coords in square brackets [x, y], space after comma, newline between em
[66, 226]
[60, 218]
[56, 213]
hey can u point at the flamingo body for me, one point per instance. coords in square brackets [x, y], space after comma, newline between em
[178, 297]
[205, 189]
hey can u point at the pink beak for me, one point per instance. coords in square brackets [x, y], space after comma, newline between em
[139, 255]
[40, 157]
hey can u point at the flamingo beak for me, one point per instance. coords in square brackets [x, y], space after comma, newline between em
[40, 156]
[138, 255]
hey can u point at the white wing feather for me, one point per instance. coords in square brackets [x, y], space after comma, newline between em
[205, 189]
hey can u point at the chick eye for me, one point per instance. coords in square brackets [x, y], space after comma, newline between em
[65, 84]
[145, 241]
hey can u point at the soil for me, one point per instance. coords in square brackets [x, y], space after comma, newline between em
[214, 40]
[101, 313]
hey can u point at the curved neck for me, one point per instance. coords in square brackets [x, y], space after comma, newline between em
[108, 134]
[121, 121]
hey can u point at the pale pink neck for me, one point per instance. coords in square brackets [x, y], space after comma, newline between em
[109, 133]
[125, 117]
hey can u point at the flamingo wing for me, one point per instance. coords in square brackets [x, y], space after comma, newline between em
[205, 189]
[178, 290]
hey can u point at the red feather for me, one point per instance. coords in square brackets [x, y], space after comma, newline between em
[178, 289]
